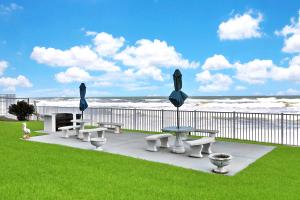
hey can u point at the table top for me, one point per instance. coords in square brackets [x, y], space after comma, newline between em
[181, 129]
[79, 121]
[110, 123]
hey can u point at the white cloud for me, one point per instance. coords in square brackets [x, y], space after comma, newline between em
[255, 71]
[10, 84]
[289, 91]
[241, 27]
[213, 82]
[77, 56]
[90, 33]
[139, 86]
[7, 9]
[73, 74]
[295, 60]
[258, 71]
[150, 72]
[216, 62]
[240, 88]
[3, 66]
[291, 34]
[146, 53]
[148, 56]
[124, 80]
[139, 63]
[106, 44]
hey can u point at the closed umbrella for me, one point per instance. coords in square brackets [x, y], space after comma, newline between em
[177, 97]
[82, 104]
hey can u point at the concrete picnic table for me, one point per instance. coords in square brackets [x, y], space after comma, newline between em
[179, 133]
[81, 123]
[116, 127]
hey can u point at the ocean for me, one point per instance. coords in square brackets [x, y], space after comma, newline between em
[248, 104]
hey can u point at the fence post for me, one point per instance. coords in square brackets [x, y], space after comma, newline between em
[91, 117]
[195, 119]
[281, 128]
[233, 128]
[134, 119]
[162, 118]
[111, 115]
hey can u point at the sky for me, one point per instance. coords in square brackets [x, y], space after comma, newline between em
[132, 47]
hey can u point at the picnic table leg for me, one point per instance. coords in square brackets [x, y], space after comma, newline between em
[77, 131]
[117, 129]
[80, 135]
[178, 145]
[65, 133]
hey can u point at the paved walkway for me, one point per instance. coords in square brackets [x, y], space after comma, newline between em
[133, 145]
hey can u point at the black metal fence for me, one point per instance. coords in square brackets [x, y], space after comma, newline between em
[263, 127]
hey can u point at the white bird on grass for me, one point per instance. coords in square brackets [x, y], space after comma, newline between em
[26, 131]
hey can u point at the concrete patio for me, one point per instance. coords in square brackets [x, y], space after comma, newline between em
[133, 145]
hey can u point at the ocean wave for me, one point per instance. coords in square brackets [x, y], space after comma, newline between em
[243, 104]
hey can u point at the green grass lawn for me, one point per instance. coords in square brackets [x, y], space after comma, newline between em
[30, 170]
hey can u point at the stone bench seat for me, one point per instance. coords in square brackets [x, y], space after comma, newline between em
[199, 146]
[87, 133]
[66, 130]
[152, 141]
[211, 133]
[115, 127]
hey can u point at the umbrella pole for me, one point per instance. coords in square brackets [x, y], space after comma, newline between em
[178, 117]
[81, 115]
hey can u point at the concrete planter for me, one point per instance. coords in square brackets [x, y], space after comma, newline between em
[220, 160]
[98, 143]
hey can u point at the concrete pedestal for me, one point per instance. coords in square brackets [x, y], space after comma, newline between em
[180, 132]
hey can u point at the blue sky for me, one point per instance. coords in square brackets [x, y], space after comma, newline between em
[131, 48]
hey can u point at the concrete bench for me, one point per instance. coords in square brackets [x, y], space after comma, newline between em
[66, 130]
[152, 141]
[87, 133]
[115, 127]
[200, 145]
[212, 133]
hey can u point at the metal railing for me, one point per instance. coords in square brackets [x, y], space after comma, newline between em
[262, 127]
[6, 100]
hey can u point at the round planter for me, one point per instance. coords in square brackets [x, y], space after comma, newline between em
[98, 143]
[220, 160]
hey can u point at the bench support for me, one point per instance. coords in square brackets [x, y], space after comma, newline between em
[65, 133]
[164, 142]
[207, 148]
[100, 134]
[196, 151]
[86, 137]
[151, 145]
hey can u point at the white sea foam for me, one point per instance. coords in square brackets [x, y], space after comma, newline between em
[251, 104]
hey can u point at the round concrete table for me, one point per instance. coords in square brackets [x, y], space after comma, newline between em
[81, 124]
[180, 133]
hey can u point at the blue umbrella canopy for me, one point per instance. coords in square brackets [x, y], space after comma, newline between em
[177, 97]
[82, 104]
